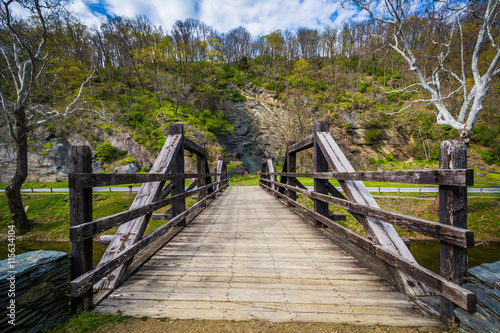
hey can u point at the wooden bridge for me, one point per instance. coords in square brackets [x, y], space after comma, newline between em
[241, 253]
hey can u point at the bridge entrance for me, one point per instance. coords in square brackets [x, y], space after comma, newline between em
[247, 256]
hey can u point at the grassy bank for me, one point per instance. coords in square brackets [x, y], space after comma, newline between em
[50, 213]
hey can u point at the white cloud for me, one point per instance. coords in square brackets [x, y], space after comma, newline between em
[86, 15]
[258, 16]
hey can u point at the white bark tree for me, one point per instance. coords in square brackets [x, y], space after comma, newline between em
[472, 79]
[23, 57]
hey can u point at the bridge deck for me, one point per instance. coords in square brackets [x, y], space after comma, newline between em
[248, 257]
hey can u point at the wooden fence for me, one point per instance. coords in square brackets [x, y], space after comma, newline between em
[128, 242]
[405, 273]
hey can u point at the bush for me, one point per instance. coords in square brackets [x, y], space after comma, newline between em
[372, 136]
[105, 152]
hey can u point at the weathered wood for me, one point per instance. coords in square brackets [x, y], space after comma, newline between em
[166, 191]
[320, 165]
[91, 228]
[248, 255]
[449, 290]
[85, 282]
[80, 160]
[291, 167]
[302, 145]
[453, 211]
[103, 179]
[455, 177]
[218, 171]
[194, 148]
[178, 185]
[132, 231]
[382, 233]
[270, 169]
[283, 179]
[453, 235]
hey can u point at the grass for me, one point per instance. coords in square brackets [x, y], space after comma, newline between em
[50, 213]
[482, 213]
[83, 322]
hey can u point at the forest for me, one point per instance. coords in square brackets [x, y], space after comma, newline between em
[130, 76]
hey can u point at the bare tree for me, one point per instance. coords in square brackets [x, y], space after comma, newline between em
[472, 78]
[23, 59]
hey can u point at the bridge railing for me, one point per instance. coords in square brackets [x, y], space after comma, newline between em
[167, 177]
[453, 177]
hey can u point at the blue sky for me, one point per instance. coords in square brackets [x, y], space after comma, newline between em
[258, 16]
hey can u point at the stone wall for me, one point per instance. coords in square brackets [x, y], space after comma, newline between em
[34, 292]
[484, 281]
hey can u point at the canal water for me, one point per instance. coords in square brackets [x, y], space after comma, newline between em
[425, 252]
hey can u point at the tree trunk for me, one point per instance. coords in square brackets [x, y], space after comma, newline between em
[13, 190]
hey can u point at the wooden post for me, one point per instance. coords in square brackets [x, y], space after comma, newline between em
[453, 211]
[320, 165]
[200, 168]
[178, 185]
[80, 161]
[218, 170]
[291, 167]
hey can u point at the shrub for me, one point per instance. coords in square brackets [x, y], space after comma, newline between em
[105, 152]
[372, 136]
[49, 145]
[43, 152]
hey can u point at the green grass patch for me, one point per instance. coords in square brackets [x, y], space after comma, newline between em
[83, 322]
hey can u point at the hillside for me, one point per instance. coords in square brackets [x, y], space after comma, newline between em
[243, 100]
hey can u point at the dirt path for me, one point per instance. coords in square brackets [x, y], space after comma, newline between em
[146, 325]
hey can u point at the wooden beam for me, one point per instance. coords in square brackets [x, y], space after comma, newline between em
[220, 163]
[449, 290]
[291, 167]
[178, 185]
[320, 165]
[452, 177]
[381, 232]
[302, 145]
[453, 235]
[194, 148]
[80, 160]
[84, 282]
[84, 180]
[130, 232]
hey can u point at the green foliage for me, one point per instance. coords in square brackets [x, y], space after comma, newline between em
[211, 121]
[49, 145]
[374, 123]
[31, 149]
[43, 152]
[105, 152]
[372, 136]
[83, 322]
[363, 86]
[488, 135]
[234, 95]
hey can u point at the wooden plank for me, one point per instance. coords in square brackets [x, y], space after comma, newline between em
[302, 145]
[85, 180]
[381, 232]
[84, 282]
[291, 167]
[194, 147]
[451, 291]
[128, 233]
[451, 177]
[80, 160]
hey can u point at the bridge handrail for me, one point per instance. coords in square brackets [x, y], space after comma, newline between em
[452, 178]
[129, 242]
[443, 232]
[86, 281]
